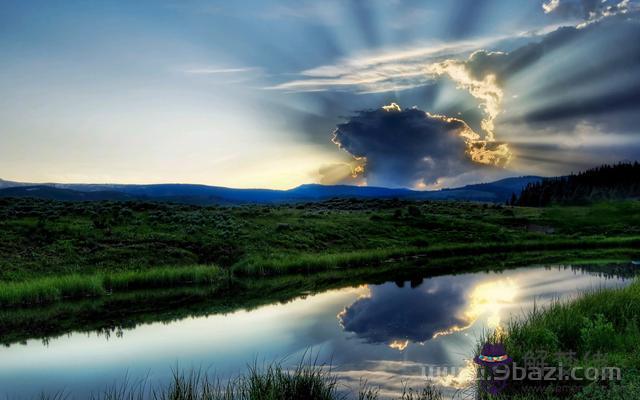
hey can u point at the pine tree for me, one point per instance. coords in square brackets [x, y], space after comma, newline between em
[605, 182]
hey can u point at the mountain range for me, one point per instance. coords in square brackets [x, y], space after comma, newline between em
[496, 192]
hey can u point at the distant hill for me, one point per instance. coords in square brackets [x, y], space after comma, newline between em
[620, 181]
[53, 193]
[499, 191]
[496, 192]
[8, 184]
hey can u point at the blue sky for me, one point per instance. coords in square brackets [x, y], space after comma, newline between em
[275, 93]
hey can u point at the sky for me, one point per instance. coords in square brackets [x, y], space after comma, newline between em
[274, 94]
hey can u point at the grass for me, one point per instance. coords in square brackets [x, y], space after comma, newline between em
[287, 264]
[110, 257]
[46, 290]
[47, 238]
[162, 277]
[51, 289]
[601, 329]
[270, 382]
[52, 251]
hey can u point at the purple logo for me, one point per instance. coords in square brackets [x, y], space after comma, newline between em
[494, 357]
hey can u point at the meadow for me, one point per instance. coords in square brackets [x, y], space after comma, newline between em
[52, 251]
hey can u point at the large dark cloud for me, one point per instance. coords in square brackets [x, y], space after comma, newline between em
[596, 48]
[395, 313]
[405, 147]
[505, 65]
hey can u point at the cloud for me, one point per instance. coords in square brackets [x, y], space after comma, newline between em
[412, 148]
[509, 88]
[574, 73]
[383, 71]
[406, 69]
[571, 76]
[484, 89]
[607, 103]
[389, 315]
[586, 9]
[551, 6]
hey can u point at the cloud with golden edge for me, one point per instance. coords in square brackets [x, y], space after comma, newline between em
[412, 147]
[486, 90]
[399, 344]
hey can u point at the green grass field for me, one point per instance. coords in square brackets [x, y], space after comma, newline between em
[51, 251]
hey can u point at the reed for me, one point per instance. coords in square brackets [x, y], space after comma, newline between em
[76, 286]
[307, 380]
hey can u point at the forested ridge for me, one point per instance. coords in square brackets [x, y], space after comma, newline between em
[618, 181]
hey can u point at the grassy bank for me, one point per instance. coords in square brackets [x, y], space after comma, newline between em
[598, 331]
[45, 290]
[287, 264]
[434, 260]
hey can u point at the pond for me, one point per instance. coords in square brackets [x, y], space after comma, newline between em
[388, 334]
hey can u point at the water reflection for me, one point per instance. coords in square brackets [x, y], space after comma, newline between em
[438, 307]
[393, 314]
[385, 333]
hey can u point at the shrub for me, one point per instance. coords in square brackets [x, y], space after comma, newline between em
[596, 334]
[414, 211]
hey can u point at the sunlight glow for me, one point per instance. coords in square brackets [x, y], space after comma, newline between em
[486, 298]
[464, 376]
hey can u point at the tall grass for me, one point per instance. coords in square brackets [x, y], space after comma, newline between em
[601, 329]
[162, 277]
[293, 263]
[306, 381]
[296, 263]
[76, 286]
[50, 289]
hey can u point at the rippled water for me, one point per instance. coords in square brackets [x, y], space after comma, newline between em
[387, 334]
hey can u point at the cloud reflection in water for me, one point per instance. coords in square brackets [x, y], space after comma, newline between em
[398, 315]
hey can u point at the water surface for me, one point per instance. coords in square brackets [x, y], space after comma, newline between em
[386, 333]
